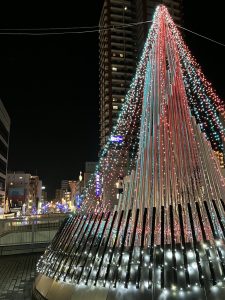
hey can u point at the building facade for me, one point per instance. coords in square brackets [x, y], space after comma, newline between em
[65, 184]
[120, 49]
[4, 145]
[58, 195]
[67, 193]
[117, 59]
[89, 169]
[23, 190]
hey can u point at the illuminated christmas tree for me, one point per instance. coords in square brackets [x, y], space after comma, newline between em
[166, 235]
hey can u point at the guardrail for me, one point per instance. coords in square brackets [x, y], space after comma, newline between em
[26, 234]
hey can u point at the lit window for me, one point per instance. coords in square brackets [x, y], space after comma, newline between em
[115, 107]
[121, 54]
[114, 99]
[122, 99]
[114, 54]
[114, 68]
[125, 7]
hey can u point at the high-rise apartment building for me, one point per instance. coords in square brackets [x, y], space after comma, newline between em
[120, 49]
[117, 60]
[4, 144]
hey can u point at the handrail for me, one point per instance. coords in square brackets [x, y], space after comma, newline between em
[29, 230]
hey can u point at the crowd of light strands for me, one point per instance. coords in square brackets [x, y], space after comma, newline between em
[176, 101]
[113, 251]
[175, 163]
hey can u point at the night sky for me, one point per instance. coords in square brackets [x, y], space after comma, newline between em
[49, 84]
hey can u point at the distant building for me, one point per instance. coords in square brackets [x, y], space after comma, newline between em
[90, 166]
[4, 145]
[44, 196]
[65, 185]
[79, 191]
[72, 184]
[43, 200]
[23, 189]
[66, 194]
[89, 169]
[58, 195]
[71, 190]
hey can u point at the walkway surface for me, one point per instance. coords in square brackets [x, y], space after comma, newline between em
[17, 273]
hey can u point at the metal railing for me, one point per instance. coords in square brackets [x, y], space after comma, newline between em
[29, 230]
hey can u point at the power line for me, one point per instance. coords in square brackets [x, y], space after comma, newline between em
[202, 36]
[64, 30]
[48, 28]
[78, 30]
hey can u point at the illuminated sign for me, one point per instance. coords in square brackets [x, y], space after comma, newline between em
[116, 138]
[98, 185]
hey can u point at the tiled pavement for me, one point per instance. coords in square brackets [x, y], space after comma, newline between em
[17, 273]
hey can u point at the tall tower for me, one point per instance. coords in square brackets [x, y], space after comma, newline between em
[117, 65]
[116, 60]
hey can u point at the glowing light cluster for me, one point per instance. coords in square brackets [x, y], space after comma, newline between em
[119, 159]
[167, 232]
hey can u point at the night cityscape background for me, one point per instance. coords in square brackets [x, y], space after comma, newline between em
[92, 205]
[49, 85]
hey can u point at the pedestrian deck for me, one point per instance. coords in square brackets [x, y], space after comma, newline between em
[17, 273]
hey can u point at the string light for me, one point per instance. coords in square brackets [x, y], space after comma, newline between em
[204, 104]
[174, 169]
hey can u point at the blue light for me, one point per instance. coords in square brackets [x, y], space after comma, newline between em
[79, 201]
[98, 185]
[116, 138]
